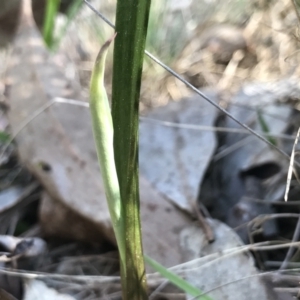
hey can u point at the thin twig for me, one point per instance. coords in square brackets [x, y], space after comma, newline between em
[261, 201]
[290, 251]
[211, 128]
[294, 290]
[237, 145]
[208, 231]
[290, 171]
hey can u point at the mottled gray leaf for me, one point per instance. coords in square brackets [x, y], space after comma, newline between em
[174, 159]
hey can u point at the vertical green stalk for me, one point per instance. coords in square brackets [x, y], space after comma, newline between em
[131, 27]
[49, 21]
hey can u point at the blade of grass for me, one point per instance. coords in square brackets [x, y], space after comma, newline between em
[176, 280]
[49, 21]
[131, 27]
[265, 128]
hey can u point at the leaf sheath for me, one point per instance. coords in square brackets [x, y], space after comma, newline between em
[103, 135]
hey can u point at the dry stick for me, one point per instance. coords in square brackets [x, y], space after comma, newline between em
[208, 231]
[288, 290]
[231, 69]
[116, 279]
[215, 257]
[251, 240]
[277, 264]
[261, 201]
[77, 278]
[261, 219]
[171, 71]
[210, 128]
[290, 171]
[297, 229]
[226, 151]
[290, 251]
[290, 277]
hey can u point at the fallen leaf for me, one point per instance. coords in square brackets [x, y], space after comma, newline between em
[219, 268]
[174, 159]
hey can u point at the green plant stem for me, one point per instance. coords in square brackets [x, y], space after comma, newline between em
[131, 27]
[49, 21]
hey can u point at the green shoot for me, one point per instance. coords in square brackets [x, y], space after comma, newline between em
[52, 7]
[51, 12]
[265, 127]
[176, 280]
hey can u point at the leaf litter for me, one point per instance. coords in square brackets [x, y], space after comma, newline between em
[58, 150]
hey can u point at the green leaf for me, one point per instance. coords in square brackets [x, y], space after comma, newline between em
[131, 27]
[103, 135]
[49, 21]
[176, 280]
[4, 137]
[265, 127]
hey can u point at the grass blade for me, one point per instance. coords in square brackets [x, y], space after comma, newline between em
[52, 7]
[265, 128]
[176, 280]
